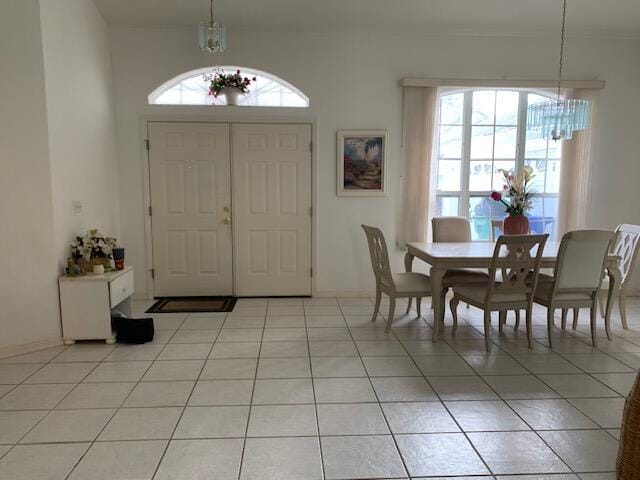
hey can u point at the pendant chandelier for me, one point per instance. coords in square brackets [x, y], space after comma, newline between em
[212, 36]
[559, 118]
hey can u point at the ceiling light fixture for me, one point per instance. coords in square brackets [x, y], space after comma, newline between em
[559, 118]
[212, 36]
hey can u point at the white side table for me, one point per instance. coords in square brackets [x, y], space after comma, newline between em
[86, 303]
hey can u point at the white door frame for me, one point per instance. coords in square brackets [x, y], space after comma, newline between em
[230, 119]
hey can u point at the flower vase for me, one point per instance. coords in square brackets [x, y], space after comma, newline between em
[231, 94]
[515, 225]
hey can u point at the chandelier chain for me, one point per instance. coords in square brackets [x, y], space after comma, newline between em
[564, 18]
[211, 10]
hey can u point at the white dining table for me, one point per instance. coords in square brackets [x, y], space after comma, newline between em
[444, 256]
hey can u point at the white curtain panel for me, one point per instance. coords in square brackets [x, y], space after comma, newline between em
[576, 167]
[419, 121]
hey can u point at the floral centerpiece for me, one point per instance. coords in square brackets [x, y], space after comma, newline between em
[517, 189]
[230, 85]
[93, 249]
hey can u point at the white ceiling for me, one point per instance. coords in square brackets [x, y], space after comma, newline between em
[612, 18]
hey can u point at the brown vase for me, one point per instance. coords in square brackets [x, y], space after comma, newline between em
[515, 225]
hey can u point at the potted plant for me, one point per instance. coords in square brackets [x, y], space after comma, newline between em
[229, 85]
[93, 249]
[518, 190]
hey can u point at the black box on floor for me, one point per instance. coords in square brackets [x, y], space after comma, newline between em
[133, 330]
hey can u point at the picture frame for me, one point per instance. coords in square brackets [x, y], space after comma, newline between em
[362, 163]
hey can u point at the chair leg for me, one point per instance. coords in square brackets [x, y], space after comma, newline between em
[529, 327]
[487, 330]
[376, 309]
[453, 304]
[550, 312]
[602, 302]
[622, 303]
[576, 315]
[409, 305]
[594, 316]
[392, 312]
[565, 311]
[502, 319]
[418, 305]
[517, 325]
[607, 326]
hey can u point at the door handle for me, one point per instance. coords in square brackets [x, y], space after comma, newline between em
[226, 221]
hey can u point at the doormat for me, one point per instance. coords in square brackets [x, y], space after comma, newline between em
[192, 304]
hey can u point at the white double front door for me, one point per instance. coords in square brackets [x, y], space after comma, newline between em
[231, 208]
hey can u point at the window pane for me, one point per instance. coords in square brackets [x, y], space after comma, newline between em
[553, 177]
[498, 177]
[535, 145]
[554, 148]
[483, 112]
[550, 215]
[481, 142]
[539, 169]
[449, 175]
[447, 206]
[505, 142]
[451, 109]
[450, 142]
[480, 176]
[485, 207]
[507, 108]
[480, 229]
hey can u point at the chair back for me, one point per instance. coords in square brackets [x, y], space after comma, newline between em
[496, 227]
[379, 255]
[627, 245]
[582, 259]
[451, 229]
[515, 265]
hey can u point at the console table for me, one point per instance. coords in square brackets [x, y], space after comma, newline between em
[86, 303]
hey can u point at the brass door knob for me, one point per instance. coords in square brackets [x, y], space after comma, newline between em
[226, 221]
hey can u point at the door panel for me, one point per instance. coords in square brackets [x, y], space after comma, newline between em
[272, 209]
[190, 189]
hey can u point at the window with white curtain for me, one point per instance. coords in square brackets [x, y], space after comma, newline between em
[480, 132]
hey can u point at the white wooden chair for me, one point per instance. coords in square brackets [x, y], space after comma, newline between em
[395, 285]
[512, 281]
[577, 276]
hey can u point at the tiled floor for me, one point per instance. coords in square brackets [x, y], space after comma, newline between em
[312, 389]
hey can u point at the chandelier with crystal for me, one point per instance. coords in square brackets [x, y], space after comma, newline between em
[559, 118]
[212, 36]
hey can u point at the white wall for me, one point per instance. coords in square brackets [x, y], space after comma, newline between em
[28, 288]
[80, 115]
[352, 81]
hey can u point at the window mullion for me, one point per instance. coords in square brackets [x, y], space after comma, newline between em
[465, 166]
[521, 131]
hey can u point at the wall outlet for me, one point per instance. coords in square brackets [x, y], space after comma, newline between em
[77, 207]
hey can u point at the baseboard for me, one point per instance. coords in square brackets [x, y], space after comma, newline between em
[344, 293]
[29, 347]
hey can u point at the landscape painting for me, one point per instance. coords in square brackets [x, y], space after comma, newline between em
[361, 163]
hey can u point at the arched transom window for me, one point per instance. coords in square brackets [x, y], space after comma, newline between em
[191, 88]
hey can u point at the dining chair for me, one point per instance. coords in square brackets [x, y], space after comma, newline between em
[454, 230]
[626, 246]
[496, 226]
[394, 285]
[511, 284]
[577, 278]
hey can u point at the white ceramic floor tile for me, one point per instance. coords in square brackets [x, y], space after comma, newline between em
[337, 367]
[292, 321]
[351, 419]
[201, 460]
[221, 392]
[282, 459]
[328, 334]
[418, 417]
[325, 321]
[282, 391]
[235, 350]
[606, 412]
[598, 363]
[62, 373]
[462, 388]
[343, 390]
[120, 461]
[133, 353]
[546, 363]
[172, 370]
[284, 368]
[202, 323]
[554, 414]
[485, 416]
[69, 426]
[495, 365]
[527, 453]
[229, 369]
[284, 335]
[194, 336]
[519, 387]
[403, 389]
[284, 349]
[584, 450]
[620, 382]
[13, 425]
[380, 348]
[282, 421]
[160, 394]
[213, 422]
[17, 373]
[35, 397]
[118, 372]
[185, 351]
[97, 395]
[427, 348]
[443, 366]
[334, 348]
[240, 335]
[577, 386]
[240, 322]
[89, 352]
[141, 424]
[41, 462]
[361, 457]
[439, 454]
[39, 356]
[390, 367]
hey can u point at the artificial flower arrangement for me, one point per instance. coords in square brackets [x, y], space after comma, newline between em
[220, 80]
[93, 245]
[518, 189]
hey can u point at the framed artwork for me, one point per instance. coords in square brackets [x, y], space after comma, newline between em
[362, 159]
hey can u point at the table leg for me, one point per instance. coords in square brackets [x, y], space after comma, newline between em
[615, 279]
[408, 265]
[438, 300]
